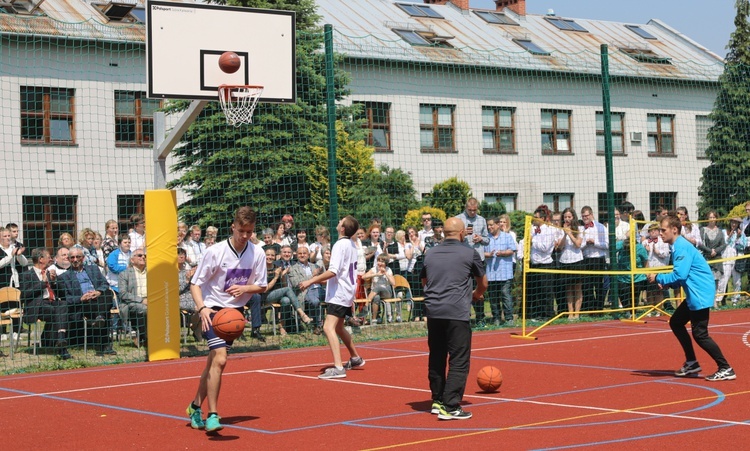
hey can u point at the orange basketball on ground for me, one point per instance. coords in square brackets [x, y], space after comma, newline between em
[229, 62]
[228, 324]
[489, 379]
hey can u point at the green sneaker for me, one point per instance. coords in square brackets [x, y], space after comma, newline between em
[196, 417]
[437, 407]
[212, 423]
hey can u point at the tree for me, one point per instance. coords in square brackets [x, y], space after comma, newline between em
[353, 163]
[491, 210]
[386, 193]
[450, 196]
[414, 217]
[222, 167]
[726, 180]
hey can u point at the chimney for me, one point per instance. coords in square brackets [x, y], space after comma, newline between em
[463, 4]
[517, 6]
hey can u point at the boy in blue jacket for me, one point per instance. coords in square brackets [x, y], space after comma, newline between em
[692, 273]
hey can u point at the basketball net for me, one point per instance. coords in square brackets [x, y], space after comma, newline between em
[238, 102]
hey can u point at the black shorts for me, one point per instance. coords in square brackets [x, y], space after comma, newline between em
[339, 311]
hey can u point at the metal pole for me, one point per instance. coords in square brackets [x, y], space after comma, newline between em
[333, 207]
[610, 173]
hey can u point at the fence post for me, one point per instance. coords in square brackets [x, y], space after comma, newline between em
[610, 173]
[333, 201]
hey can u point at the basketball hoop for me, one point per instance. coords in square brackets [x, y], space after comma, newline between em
[238, 102]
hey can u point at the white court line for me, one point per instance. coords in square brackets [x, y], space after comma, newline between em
[528, 401]
[273, 370]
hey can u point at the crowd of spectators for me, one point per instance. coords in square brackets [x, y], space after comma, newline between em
[86, 277]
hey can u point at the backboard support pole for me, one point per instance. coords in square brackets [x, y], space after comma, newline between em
[164, 144]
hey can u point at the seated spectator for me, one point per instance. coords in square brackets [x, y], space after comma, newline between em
[86, 292]
[66, 240]
[101, 261]
[269, 244]
[118, 261]
[38, 295]
[279, 235]
[300, 241]
[313, 295]
[322, 241]
[133, 295]
[183, 244]
[326, 258]
[288, 221]
[278, 289]
[62, 263]
[185, 274]
[382, 283]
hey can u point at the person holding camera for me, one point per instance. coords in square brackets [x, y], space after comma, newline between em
[12, 260]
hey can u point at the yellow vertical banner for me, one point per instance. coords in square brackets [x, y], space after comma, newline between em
[163, 319]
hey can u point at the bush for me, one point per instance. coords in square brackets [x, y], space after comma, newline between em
[490, 210]
[414, 217]
[450, 195]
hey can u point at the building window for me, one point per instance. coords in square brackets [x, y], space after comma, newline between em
[640, 31]
[494, 17]
[601, 199]
[134, 118]
[565, 24]
[531, 47]
[558, 201]
[556, 132]
[660, 134]
[436, 128]
[657, 201]
[618, 135]
[702, 124]
[376, 119]
[646, 56]
[416, 10]
[510, 200]
[45, 218]
[47, 115]
[127, 206]
[497, 130]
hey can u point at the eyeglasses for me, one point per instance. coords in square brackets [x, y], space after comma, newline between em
[140, 255]
[426, 219]
[75, 257]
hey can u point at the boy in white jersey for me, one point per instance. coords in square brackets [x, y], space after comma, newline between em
[340, 292]
[227, 276]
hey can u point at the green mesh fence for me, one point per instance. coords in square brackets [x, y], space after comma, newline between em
[417, 133]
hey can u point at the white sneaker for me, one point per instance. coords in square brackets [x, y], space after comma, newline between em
[333, 373]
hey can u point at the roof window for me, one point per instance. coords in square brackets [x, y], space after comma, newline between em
[566, 24]
[495, 18]
[640, 31]
[646, 56]
[531, 47]
[417, 10]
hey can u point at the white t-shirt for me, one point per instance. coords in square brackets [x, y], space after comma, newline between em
[222, 266]
[341, 288]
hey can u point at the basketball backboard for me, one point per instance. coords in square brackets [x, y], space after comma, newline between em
[185, 40]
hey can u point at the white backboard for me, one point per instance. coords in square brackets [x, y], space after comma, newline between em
[184, 42]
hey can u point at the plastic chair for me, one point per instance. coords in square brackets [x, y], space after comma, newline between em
[10, 309]
[402, 287]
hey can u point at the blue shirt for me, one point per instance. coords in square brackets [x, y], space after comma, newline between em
[500, 268]
[85, 281]
[692, 273]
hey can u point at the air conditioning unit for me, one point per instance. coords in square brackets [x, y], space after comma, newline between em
[636, 137]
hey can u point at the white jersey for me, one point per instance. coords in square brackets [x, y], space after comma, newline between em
[341, 288]
[222, 266]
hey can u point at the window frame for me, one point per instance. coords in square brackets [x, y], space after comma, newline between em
[50, 205]
[495, 18]
[659, 136]
[529, 46]
[620, 133]
[601, 199]
[419, 10]
[137, 119]
[657, 198]
[497, 130]
[555, 131]
[127, 206]
[702, 138]
[436, 127]
[640, 32]
[371, 125]
[566, 24]
[502, 198]
[554, 203]
[646, 56]
[47, 116]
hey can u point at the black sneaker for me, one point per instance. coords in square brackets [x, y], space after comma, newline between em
[458, 414]
[688, 369]
[258, 336]
[724, 374]
[437, 407]
[354, 362]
